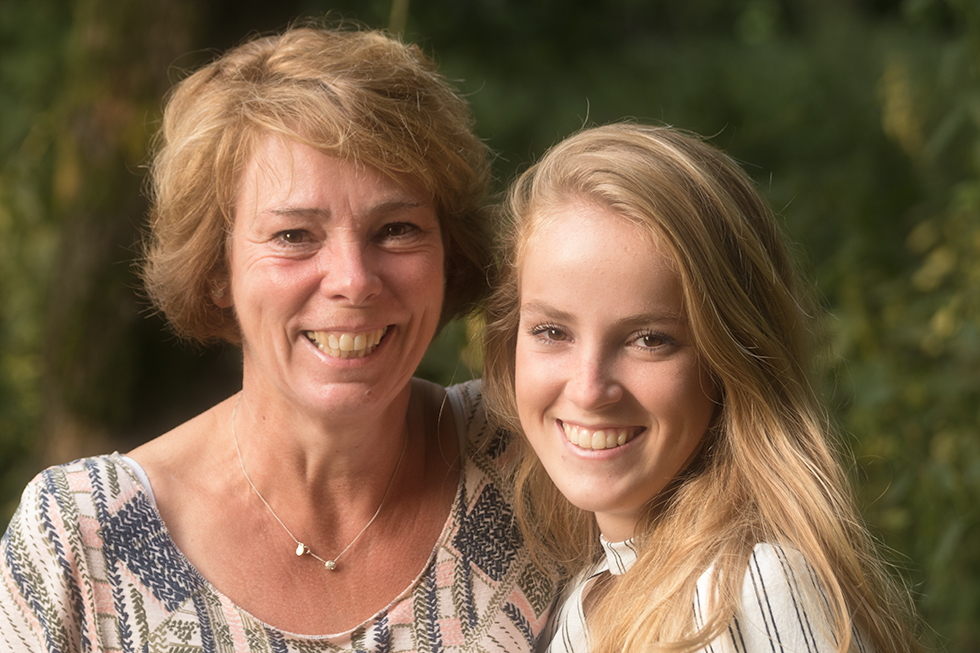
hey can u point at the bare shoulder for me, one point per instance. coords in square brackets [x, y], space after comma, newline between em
[185, 457]
[193, 470]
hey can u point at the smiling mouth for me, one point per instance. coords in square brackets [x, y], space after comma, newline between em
[346, 345]
[600, 439]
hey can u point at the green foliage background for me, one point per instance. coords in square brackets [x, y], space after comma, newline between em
[859, 120]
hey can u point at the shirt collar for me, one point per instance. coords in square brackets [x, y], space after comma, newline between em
[620, 556]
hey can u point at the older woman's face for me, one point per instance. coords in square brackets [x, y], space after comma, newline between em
[336, 279]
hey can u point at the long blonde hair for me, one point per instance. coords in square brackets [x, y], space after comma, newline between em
[767, 471]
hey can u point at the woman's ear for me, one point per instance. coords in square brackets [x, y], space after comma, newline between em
[220, 294]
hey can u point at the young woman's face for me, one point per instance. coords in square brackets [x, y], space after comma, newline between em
[610, 390]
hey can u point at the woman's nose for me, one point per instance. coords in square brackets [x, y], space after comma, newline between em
[592, 382]
[349, 273]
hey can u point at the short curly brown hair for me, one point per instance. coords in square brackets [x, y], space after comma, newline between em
[359, 95]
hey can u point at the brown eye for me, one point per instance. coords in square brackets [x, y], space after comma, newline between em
[549, 333]
[398, 230]
[291, 237]
[653, 340]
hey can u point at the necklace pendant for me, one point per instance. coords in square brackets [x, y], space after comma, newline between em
[302, 549]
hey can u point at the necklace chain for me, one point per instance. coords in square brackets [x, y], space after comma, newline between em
[301, 548]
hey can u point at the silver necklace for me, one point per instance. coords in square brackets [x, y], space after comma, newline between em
[302, 549]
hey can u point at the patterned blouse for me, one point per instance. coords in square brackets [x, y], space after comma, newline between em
[87, 564]
[777, 614]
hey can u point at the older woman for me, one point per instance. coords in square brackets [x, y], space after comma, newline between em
[316, 199]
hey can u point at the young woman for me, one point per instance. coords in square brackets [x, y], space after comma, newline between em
[648, 340]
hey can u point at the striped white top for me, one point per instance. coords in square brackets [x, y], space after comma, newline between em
[782, 606]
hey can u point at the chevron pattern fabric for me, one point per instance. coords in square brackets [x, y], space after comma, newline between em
[87, 565]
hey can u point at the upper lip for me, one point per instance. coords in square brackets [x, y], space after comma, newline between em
[352, 329]
[349, 328]
[600, 427]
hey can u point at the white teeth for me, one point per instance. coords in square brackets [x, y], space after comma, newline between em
[347, 345]
[598, 440]
[601, 439]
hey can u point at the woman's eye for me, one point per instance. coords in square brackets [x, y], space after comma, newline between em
[653, 340]
[292, 237]
[549, 333]
[398, 230]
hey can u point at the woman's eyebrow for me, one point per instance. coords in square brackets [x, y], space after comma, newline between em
[381, 208]
[299, 211]
[545, 309]
[394, 206]
[659, 316]
[666, 316]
